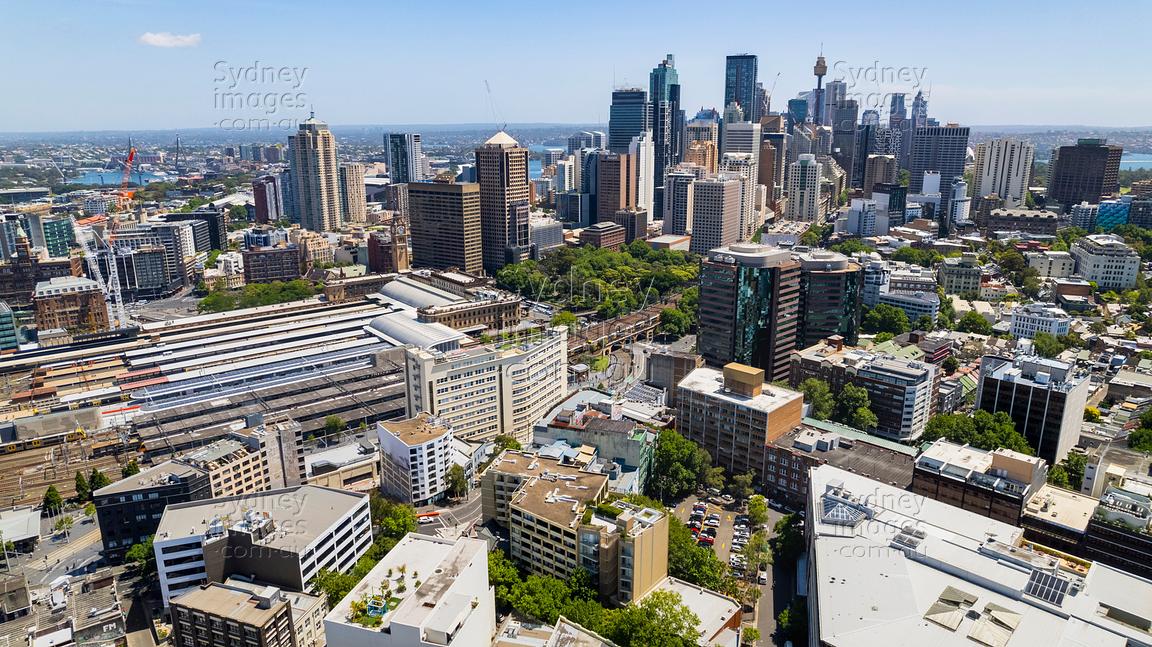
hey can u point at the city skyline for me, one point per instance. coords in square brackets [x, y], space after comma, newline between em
[191, 62]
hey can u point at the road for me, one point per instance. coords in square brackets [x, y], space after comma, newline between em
[57, 556]
[455, 519]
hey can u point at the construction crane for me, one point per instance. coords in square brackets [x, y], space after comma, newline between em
[87, 238]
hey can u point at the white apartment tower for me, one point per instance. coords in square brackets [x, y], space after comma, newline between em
[743, 165]
[315, 176]
[643, 153]
[715, 212]
[1003, 167]
[804, 189]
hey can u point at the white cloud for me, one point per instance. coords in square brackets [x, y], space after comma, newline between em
[167, 39]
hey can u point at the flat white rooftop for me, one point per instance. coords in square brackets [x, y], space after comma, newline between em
[710, 381]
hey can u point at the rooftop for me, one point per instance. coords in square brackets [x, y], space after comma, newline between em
[166, 473]
[715, 610]
[256, 609]
[415, 431]
[710, 381]
[922, 572]
[856, 452]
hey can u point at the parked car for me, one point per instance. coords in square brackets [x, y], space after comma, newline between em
[711, 532]
[705, 540]
[728, 499]
[762, 577]
[694, 524]
[712, 523]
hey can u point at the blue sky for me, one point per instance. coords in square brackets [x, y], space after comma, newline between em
[87, 64]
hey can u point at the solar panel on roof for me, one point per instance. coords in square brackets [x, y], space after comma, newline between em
[1047, 587]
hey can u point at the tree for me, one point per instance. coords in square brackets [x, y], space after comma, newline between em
[90, 509]
[98, 479]
[678, 466]
[1140, 440]
[392, 518]
[690, 562]
[660, 619]
[131, 469]
[83, 491]
[757, 510]
[950, 365]
[565, 318]
[503, 442]
[581, 585]
[64, 524]
[503, 576]
[981, 429]
[1046, 345]
[540, 597]
[885, 318]
[788, 542]
[674, 321]
[851, 398]
[457, 481]
[819, 396]
[52, 499]
[333, 425]
[1074, 466]
[333, 585]
[740, 486]
[1091, 414]
[1058, 476]
[864, 420]
[750, 635]
[142, 556]
[973, 322]
[792, 623]
[715, 478]
[925, 323]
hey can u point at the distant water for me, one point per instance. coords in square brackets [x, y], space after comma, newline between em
[111, 178]
[1136, 161]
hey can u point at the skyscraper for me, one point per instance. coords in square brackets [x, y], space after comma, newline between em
[445, 225]
[879, 169]
[586, 139]
[678, 197]
[315, 177]
[1088, 171]
[830, 286]
[353, 207]
[715, 212]
[698, 130]
[844, 115]
[627, 117]
[834, 93]
[797, 113]
[643, 157]
[266, 196]
[502, 172]
[616, 185]
[740, 84]
[937, 148]
[804, 189]
[743, 166]
[667, 125]
[1003, 167]
[405, 157]
[749, 307]
[819, 70]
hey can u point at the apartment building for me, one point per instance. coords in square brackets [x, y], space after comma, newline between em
[282, 537]
[268, 264]
[1034, 318]
[244, 613]
[1106, 260]
[735, 415]
[426, 591]
[1057, 265]
[71, 303]
[960, 275]
[417, 453]
[1031, 221]
[995, 484]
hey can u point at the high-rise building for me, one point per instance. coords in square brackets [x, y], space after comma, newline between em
[678, 185]
[667, 126]
[445, 220]
[405, 157]
[502, 172]
[879, 169]
[937, 148]
[804, 189]
[1003, 167]
[830, 287]
[1044, 397]
[740, 84]
[315, 177]
[644, 160]
[417, 453]
[266, 195]
[628, 116]
[703, 153]
[749, 307]
[1086, 172]
[743, 166]
[706, 130]
[844, 116]
[586, 139]
[835, 92]
[352, 198]
[715, 212]
[1106, 260]
[797, 113]
[616, 185]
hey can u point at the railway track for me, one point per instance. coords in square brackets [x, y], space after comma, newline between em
[26, 475]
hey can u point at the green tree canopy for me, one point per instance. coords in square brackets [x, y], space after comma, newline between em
[52, 500]
[83, 492]
[885, 318]
[848, 401]
[659, 620]
[679, 466]
[819, 396]
[973, 322]
[540, 597]
[674, 321]
[98, 479]
[142, 556]
[981, 429]
[1046, 345]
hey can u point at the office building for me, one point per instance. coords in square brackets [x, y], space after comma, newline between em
[879, 169]
[558, 521]
[996, 484]
[502, 172]
[1044, 397]
[642, 157]
[1004, 167]
[616, 184]
[281, 537]
[488, 390]
[417, 453]
[702, 130]
[740, 84]
[1106, 260]
[9, 335]
[735, 415]
[445, 220]
[791, 458]
[634, 221]
[743, 166]
[353, 204]
[624, 449]
[546, 235]
[949, 577]
[266, 194]
[1089, 172]
[315, 176]
[604, 235]
[1031, 319]
[749, 307]
[715, 212]
[1112, 213]
[243, 613]
[678, 191]
[628, 116]
[902, 393]
[128, 511]
[830, 287]
[804, 189]
[425, 591]
[960, 275]
[845, 114]
[1029, 221]
[942, 149]
[667, 126]
[586, 139]
[864, 219]
[71, 303]
[404, 157]
[268, 264]
[703, 154]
